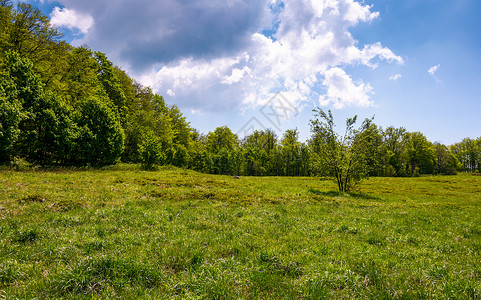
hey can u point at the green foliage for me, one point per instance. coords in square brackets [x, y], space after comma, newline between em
[181, 157]
[111, 84]
[10, 117]
[52, 133]
[396, 144]
[342, 157]
[468, 153]
[421, 154]
[101, 137]
[221, 138]
[446, 162]
[45, 132]
[151, 151]
[79, 80]
[222, 162]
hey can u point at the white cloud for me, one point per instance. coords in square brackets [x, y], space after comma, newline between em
[202, 60]
[433, 70]
[71, 19]
[342, 91]
[395, 77]
[196, 112]
[236, 76]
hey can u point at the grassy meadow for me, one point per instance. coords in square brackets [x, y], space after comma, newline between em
[177, 234]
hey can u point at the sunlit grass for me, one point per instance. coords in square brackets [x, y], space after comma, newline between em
[121, 232]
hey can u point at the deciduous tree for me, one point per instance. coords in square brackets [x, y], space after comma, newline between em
[341, 156]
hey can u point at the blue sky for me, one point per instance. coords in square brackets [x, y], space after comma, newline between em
[411, 63]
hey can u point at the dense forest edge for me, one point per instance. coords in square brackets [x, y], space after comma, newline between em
[70, 106]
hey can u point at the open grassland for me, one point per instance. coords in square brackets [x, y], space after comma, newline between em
[124, 233]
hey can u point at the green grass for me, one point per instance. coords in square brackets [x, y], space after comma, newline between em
[125, 233]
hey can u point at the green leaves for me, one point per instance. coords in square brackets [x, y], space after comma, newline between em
[101, 136]
[343, 158]
[10, 117]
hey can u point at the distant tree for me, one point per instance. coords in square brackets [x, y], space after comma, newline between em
[468, 153]
[150, 151]
[222, 162]
[342, 157]
[446, 162]
[52, 135]
[181, 157]
[237, 161]
[421, 154]
[372, 141]
[221, 138]
[291, 152]
[478, 147]
[180, 127]
[396, 141]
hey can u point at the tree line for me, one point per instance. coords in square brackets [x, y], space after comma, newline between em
[70, 106]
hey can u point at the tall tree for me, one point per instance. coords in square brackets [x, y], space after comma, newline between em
[101, 136]
[421, 154]
[291, 152]
[221, 138]
[112, 87]
[396, 146]
[10, 117]
[468, 153]
[446, 162]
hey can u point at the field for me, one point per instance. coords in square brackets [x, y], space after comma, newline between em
[125, 233]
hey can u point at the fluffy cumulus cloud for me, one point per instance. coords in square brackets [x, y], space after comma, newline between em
[342, 91]
[233, 54]
[71, 19]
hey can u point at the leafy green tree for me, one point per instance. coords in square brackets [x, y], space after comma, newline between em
[372, 141]
[101, 136]
[79, 80]
[28, 32]
[291, 152]
[222, 162]
[221, 138]
[181, 157]
[6, 20]
[253, 162]
[258, 149]
[151, 151]
[478, 150]
[52, 136]
[112, 87]
[237, 161]
[202, 162]
[47, 131]
[10, 117]
[446, 162]
[180, 127]
[342, 157]
[148, 114]
[468, 153]
[396, 141]
[421, 154]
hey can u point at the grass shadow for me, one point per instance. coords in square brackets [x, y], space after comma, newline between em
[334, 193]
